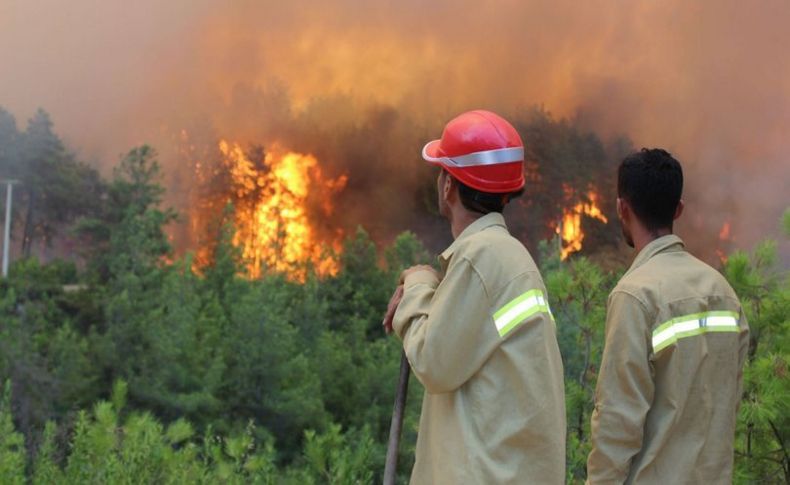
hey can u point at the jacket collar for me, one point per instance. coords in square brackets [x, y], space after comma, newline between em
[488, 220]
[660, 245]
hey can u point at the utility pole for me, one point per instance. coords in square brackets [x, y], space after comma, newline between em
[7, 233]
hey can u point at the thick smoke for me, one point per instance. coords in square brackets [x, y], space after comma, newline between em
[708, 80]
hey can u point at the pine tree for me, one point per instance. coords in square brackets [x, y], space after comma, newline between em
[55, 187]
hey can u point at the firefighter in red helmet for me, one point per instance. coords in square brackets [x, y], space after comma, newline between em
[480, 336]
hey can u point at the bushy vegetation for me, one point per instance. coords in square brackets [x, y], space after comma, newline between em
[135, 367]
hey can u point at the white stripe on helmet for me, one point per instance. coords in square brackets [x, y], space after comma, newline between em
[486, 157]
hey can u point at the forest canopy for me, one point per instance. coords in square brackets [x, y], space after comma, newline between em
[123, 362]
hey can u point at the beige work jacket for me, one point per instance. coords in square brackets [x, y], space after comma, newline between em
[482, 342]
[670, 379]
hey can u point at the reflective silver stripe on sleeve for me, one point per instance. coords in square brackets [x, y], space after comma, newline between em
[691, 325]
[519, 309]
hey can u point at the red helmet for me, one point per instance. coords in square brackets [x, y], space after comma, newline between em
[482, 150]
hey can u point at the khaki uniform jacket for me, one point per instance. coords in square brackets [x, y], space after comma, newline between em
[671, 373]
[483, 344]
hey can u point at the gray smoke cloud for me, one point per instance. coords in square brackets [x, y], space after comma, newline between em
[708, 80]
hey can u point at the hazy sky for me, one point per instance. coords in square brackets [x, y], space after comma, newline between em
[709, 79]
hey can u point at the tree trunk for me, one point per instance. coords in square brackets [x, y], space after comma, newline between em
[27, 233]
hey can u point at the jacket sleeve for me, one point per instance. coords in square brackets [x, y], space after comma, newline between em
[447, 329]
[624, 391]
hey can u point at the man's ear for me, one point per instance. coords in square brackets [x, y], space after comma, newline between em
[449, 181]
[622, 208]
[679, 209]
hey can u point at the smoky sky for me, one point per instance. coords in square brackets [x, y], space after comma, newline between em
[708, 80]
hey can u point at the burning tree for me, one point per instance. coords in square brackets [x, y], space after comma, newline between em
[570, 227]
[293, 200]
[280, 200]
[570, 189]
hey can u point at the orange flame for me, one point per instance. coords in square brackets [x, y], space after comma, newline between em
[570, 229]
[724, 234]
[273, 227]
[724, 240]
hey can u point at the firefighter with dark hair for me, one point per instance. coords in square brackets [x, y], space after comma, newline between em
[676, 341]
[480, 337]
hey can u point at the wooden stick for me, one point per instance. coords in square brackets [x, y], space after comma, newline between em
[391, 465]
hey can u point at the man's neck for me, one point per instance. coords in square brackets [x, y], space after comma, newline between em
[460, 220]
[643, 237]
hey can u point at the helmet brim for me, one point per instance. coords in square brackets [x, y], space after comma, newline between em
[432, 154]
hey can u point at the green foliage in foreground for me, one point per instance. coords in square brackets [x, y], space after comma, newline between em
[138, 449]
[150, 372]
